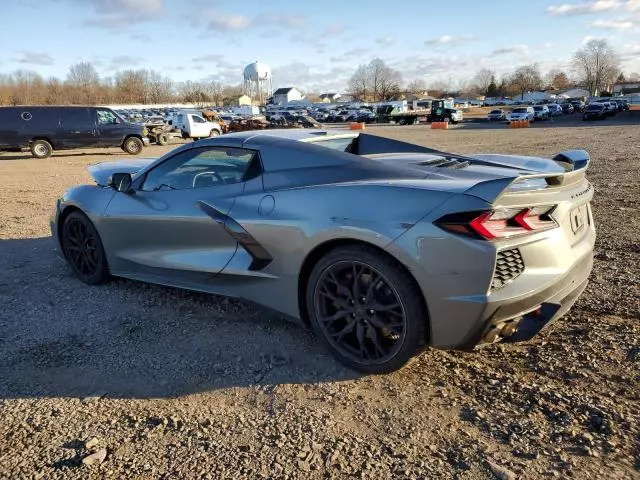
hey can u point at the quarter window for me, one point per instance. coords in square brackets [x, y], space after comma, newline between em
[201, 167]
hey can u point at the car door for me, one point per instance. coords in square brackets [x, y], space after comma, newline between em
[199, 126]
[109, 127]
[172, 225]
[76, 128]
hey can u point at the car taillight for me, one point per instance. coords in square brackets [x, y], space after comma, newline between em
[501, 223]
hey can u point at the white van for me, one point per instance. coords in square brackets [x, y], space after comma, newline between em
[193, 125]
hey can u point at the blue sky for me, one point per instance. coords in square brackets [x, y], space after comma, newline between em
[314, 45]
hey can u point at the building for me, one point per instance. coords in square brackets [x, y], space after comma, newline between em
[575, 93]
[626, 88]
[244, 100]
[282, 96]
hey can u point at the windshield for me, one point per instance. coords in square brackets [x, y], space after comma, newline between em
[595, 107]
[519, 110]
[496, 111]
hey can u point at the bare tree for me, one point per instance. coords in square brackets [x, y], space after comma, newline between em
[417, 87]
[56, 92]
[214, 91]
[359, 83]
[557, 79]
[526, 78]
[159, 88]
[130, 86]
[385, 81]
[27, 88]
[597, 65]
[375, 81]
[483, 78]
[84, 77]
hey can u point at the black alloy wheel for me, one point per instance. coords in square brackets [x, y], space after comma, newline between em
[367, 309]
[83, 249]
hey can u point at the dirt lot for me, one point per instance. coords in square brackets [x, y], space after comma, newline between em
[179, 385]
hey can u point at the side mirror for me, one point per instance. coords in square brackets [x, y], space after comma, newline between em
[121, 182]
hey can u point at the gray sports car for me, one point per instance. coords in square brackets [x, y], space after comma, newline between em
[382, 247]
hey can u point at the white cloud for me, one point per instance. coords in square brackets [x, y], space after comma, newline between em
[281, 19]
[335, 29]
[388, 40]
[519, 49]
[115, 14]
[34, 58]
[613, 24]
[448, 40]
[226, 22]
[584, 8]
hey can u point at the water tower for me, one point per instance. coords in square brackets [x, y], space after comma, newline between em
[257, 81]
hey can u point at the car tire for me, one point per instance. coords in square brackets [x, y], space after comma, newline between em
[83, 250]
[382, 329]
[162, 139]
[214, 133]
[41, 149]
[133, 146]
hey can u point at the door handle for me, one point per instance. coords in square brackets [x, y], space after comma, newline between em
[76, 131]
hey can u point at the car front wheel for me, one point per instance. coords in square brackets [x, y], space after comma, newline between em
[83, 249]
[366, 308]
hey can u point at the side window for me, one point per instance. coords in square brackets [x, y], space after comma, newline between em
[180, 118]
[106, 117]
[73, 118]
[200, 167]
[197, 119]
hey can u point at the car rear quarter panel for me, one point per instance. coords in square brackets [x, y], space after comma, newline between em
[303, 219]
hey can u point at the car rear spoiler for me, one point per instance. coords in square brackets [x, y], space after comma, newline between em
[575, 162]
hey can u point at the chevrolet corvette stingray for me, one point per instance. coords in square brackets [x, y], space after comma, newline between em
[382, 247]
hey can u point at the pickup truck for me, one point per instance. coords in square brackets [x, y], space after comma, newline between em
[193, 125]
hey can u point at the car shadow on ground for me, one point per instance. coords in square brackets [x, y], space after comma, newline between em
[62, 338]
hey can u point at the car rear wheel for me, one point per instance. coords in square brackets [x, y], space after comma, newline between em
[132, 145]
[366, 308]
[214, 133]
[83, 249]
[41, 149]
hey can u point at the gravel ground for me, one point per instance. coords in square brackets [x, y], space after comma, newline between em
[136, 381]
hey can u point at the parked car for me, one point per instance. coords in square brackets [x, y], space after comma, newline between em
[497, 115]
[595, 111]
[45, 129]
[521, 113]
[493, 248]
[567, 107]
[555, 110]
[578, 105]
[541, 112]
[610, 108]
[195, 126]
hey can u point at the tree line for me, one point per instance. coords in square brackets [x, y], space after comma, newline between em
[83, 85]
[595, 67]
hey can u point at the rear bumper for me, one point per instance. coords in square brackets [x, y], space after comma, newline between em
[521, 319]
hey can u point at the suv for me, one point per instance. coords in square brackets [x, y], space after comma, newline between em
[541, 112]
[45, 129]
